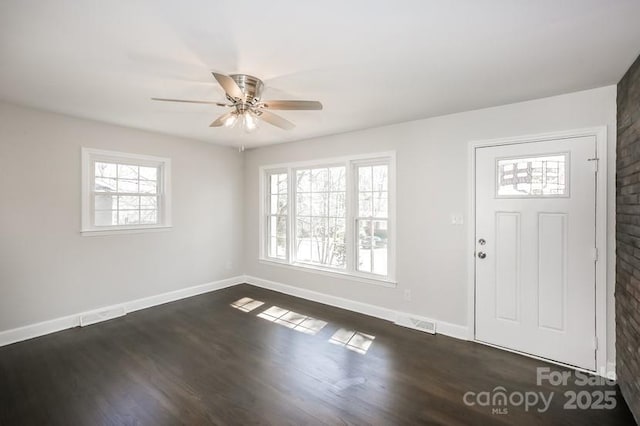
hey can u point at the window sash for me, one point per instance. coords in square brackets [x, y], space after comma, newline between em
[117, 210]
[370, 242]
[269, 194]
[297, 258]
[157, 194]
[270, 237]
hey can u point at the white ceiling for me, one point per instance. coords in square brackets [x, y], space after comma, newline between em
[369, 62]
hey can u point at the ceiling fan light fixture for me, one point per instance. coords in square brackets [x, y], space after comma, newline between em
[231, 120]
[250, 122]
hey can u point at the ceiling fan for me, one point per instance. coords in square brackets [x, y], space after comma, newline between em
[244, 94]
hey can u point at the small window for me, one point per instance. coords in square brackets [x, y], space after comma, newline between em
[542, 176]
[124, 191]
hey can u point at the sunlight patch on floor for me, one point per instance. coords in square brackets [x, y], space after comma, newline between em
[293, 320]
[246, 304]
[352, 340]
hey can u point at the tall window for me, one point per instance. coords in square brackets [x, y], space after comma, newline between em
[321, 216]
[373, 218]
[277, 215]
[339, 219]
[123, 191]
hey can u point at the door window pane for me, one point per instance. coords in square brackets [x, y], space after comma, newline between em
[542, 176]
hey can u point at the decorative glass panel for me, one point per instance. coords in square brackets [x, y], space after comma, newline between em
[542, 176]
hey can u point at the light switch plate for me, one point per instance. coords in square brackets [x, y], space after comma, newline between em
[457, 219]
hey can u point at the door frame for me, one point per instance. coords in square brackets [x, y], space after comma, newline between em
[600, 133]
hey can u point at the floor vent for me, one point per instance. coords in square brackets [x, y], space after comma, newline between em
[417, 323]
[94, 317]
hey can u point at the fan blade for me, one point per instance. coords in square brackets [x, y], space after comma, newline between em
[190, 102]
[301, 105]
[229, 85]
[219, 122]
[276, 120]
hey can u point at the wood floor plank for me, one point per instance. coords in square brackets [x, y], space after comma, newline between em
[201, 361]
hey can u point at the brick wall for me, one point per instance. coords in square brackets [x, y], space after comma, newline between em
[628, 239]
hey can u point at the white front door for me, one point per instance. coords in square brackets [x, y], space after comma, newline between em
[535, 248]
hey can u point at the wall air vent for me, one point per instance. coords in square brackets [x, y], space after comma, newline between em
[417, 323]
[104, 314]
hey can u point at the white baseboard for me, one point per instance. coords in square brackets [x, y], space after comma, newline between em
[147, 302]
[453, 330]
[448, 329]
[340, 302]
[30, 331]
[58, 324]
[8, 337]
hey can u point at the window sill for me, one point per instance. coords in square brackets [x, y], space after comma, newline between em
[384, 282]
[122, 231]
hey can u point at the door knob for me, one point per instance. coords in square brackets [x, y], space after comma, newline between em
[482, 254]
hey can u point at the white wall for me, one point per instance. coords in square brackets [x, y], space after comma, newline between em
[48, 270]
[433, 184]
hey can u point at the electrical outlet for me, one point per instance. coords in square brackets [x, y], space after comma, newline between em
[407, 295]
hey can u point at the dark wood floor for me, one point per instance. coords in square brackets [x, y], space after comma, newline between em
[201, 361]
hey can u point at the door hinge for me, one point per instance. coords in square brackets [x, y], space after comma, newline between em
[594, 163]
[595, 254]
[595, 343]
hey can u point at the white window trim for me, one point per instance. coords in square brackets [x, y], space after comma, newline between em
[164, 192]
[350, 272]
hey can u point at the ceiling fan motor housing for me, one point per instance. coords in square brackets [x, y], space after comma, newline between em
[251, 86]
